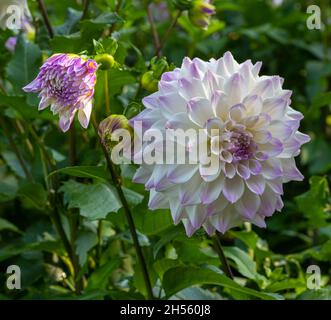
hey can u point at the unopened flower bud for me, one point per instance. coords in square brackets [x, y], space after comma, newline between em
[106, 61]
[108, 126]
[148, 81]
[201, 12]
[183, 4]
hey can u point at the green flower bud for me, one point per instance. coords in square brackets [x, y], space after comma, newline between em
[159, 66]
[148, 81]
[105, 60]
[201, 12]
[183, 4]
[109, 125]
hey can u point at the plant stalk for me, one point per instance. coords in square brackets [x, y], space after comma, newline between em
[44, 13]
[117, 183]
[219, 249]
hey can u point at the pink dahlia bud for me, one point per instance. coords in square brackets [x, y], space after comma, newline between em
[66, 83]
[249, 133]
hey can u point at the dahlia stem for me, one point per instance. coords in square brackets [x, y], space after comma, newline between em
[168, 32]
[85, 8]
[54, 212]
[219, 249]
[106, 85]
[16, 150]
[117, 183]
[44, 13]
[154, 30]
[72, 145]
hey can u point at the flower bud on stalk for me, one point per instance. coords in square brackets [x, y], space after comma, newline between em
[106, 61]
[148, 82]
[108, 126]
[183, 4]
[201, 12]
[150, 79]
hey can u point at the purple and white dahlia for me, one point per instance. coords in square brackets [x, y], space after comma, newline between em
[66, 83]
[251, 135]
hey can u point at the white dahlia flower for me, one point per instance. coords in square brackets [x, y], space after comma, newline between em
[252, 151]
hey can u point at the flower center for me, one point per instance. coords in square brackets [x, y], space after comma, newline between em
[241, 145]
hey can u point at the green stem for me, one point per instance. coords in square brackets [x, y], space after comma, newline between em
[72, 145]
[15, 149]
[85, 9]
[154, 31]
[117, 183]
[106, 90]
[99, 248]
[219, 249]
[168, 32]
[52, 186]
[44, 13]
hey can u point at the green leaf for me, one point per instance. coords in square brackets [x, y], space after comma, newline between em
[85, 241]
[93, 172]
[8, 188]
[151, 222]
[134, 198]
[313, 202]
[13, 162]
[246, 265]
[249, 238]
[179, 278]
[94, 201]
[118, 78]
[35, 193]
[107, 19]
[100, 277]
[73, 17]
[6, 225]
[24, 65]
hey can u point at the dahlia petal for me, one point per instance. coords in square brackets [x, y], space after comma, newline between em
[199, 111]
[214, 126]
[189, 193]
[85, 114]
[235, 88]
[182, 173]
[256, 184]
[157, 200]
[172, 103]
[188, 227]
[243, 171]
[280, 130]
[230, 63]
[290, 170]
[229, 170]
[256, 68]
[233, 189]
[276, 185]
[236, 112]
[66, 119]
[272, 169]
[255, 167]
[176, 210]
[196, 215]
[142, 174]
[263, 88]
[248, 204]
[212, 190]
[253, 104]
[275, 107]
[259, 221]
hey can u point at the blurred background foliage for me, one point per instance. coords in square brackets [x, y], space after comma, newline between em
[47, 190]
